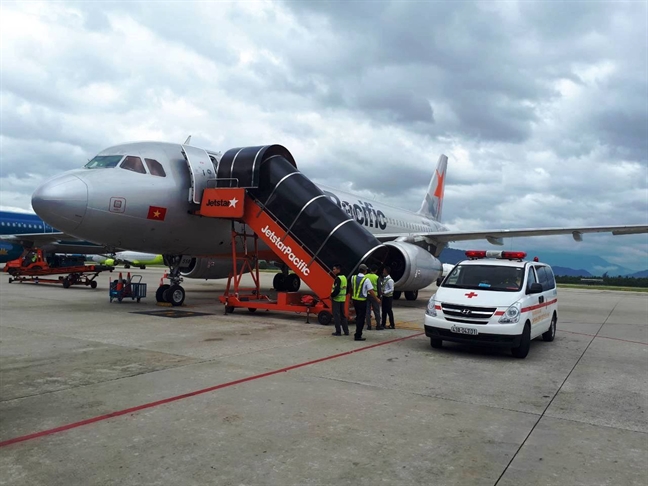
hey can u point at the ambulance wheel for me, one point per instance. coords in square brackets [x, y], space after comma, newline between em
[436, 343]
[66, 283]
[10, 279]
[324, 318]
[292, 283]
[229, 309]
[551, 333]
[159, 293]
[278, 282]
[411, 295]
[175, 295]
[525, 343]
[252, 310]
[93, 285]
[397, 294]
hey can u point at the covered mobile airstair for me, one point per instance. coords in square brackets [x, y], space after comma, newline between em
[262, 188]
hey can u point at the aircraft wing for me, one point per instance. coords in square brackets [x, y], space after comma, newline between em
[57, 241]
[495, 236]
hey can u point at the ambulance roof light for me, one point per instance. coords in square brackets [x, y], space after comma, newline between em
[505, 255]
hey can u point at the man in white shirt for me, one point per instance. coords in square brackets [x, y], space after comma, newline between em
[387, 298]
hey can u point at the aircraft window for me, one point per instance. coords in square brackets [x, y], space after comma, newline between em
[155, 168]
[104, 162]
[134, 164]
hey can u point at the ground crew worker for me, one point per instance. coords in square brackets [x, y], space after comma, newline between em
[372, 304]
[387, 298]
[361, 288]
[338, 298]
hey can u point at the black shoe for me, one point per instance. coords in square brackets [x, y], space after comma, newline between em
[360, 339]
[392, 327]
[346, 333]
[336, 334]
[380, 329]
[368, 328]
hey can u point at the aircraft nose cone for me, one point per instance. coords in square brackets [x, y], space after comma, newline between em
[61, 202]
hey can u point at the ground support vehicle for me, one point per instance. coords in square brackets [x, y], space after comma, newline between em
[34, 267]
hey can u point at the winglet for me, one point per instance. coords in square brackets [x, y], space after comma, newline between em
[187, 141]
[433, 201]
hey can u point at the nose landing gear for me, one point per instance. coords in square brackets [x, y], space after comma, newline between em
[172, 293]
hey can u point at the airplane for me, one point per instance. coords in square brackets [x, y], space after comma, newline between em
[145, 195]
[129, 258]
[24, 230]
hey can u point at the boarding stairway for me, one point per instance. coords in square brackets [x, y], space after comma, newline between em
[290, 214]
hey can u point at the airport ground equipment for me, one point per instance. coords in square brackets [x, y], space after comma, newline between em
[261, 189]
[34, 267]
[130, 287]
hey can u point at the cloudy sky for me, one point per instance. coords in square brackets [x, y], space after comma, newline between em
[541, 107]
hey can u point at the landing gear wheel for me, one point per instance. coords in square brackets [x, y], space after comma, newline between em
[66, 283]
[175, 295]
[252, 310]
[324, 318]
[525, 343]
[292, 283]
[397, 294]
[159, 293]
[278, 282]
[411, 295]
[436, 343]
[551, 333]
[93, 284]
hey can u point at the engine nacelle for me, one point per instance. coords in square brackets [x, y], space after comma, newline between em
[207, 268]
[412, 267]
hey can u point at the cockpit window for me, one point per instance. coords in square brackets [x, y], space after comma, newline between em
[104, 162]
[155, 168]
[134, 164]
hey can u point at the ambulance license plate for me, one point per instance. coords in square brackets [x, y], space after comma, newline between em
[464, 330]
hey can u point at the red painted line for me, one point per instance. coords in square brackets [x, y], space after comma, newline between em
[606, 337]
[157, 403]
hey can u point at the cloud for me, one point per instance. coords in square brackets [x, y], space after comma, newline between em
[540, 106]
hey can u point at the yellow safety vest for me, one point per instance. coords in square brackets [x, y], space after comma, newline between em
[373, 278]
[357, 289]
[341, 297]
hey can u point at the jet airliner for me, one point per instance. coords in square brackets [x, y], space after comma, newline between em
[144, 196]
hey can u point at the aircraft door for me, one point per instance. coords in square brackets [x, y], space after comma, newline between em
[201, 170]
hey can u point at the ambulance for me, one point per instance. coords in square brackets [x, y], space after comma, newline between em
[494, 298]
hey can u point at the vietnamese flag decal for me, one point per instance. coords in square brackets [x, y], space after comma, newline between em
[156, 212]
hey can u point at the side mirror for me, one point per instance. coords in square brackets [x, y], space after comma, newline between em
[438, 282]
[535, 288]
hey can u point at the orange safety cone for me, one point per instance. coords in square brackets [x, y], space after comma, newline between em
[120, 285]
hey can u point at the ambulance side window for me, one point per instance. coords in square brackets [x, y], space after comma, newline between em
[544, 278]
[532, 278]
[551, 281]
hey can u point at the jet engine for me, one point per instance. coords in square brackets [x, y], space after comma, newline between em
[412, 267]
[207, 268]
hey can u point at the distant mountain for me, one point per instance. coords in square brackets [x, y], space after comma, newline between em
[570, 272]
[642, 274]
[567, 263]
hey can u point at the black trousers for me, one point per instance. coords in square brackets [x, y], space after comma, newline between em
[361, 314]
[339, 318]
[387, 310]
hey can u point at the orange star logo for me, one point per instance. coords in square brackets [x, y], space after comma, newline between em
[438, 192]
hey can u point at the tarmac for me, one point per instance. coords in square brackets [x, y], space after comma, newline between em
[99, 393]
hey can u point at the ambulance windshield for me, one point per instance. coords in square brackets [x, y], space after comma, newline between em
[486, 277]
